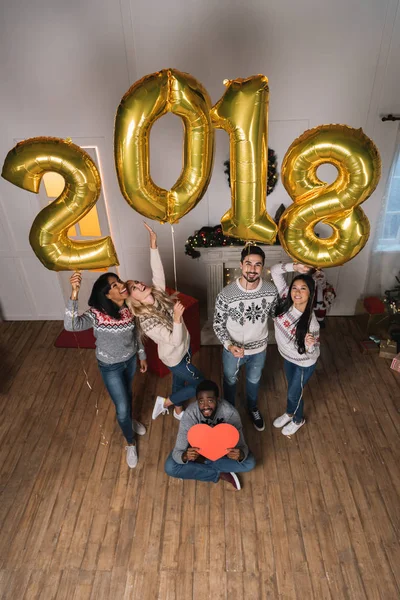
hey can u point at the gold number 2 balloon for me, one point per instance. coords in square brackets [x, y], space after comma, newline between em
[145, 102]
[243, 113]
[25, 166]
[336, 204]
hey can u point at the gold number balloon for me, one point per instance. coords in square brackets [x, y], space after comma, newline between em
[25, 166]
[336, 204]
[243, 113]
[145, 102]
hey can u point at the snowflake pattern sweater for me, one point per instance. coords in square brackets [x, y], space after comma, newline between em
[241, 316]
[172, 343]
[285, 325]
[116, 339]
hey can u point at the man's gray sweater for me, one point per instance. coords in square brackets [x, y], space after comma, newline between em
[225, 413]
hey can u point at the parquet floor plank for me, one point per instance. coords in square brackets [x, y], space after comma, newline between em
[317, 519]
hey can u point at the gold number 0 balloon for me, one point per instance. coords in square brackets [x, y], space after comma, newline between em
[145, 102]
[25, 166]
[243, 113]
[337, 204]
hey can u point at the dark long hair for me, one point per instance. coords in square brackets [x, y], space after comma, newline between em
[98, 298]
[303, 323]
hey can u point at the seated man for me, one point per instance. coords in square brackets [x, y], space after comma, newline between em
[185, 462]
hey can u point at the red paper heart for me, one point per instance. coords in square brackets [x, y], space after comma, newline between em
[213, 442]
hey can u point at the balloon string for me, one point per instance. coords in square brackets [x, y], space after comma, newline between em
[104, 440]
[174, 255]
[244, 323]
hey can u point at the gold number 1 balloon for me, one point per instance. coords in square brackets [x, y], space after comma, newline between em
[145, 102]
[243, 113]
[337, 204]
[25, 166]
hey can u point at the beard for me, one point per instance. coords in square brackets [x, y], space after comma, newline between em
[251, 277]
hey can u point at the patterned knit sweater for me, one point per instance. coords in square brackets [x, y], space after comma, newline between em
[116, 340]
[285, 325]
[241, 316]
[172, 341]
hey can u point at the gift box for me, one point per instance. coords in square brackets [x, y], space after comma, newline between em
[388, 349]
[396, 363]
[191, 317]
[369, 347]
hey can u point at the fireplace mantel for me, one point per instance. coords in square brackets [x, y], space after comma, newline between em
[218, 259]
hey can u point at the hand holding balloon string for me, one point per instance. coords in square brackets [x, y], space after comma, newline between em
[75, 281]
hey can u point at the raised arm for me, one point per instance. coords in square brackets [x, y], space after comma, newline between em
[157, 269]
[159, 333]
[72, 320]
[278, 273]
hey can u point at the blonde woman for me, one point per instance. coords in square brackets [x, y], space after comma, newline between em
[159, 318]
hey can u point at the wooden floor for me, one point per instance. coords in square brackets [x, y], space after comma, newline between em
[319, 517]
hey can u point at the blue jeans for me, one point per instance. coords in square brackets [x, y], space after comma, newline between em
[209, 470]
[185, 379]
[297, 378]
[118, 379]
[254, 366]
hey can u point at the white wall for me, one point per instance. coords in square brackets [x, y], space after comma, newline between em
[65, 67]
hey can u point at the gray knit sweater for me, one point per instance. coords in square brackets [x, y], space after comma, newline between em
[225, 413]
[116, 339]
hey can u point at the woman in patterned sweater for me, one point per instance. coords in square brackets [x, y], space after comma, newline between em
[297, 337]
[117, 347]
[160, 318]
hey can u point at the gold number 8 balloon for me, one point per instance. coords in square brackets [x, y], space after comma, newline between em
[336, 204]
[145, 102]
[25, 166]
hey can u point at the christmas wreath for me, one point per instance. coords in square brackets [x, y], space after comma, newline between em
[208, 237]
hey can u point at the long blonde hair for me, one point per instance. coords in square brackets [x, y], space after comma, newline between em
[161, 310]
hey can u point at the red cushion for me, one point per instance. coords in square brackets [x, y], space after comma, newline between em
[374, 305]
[75, 339]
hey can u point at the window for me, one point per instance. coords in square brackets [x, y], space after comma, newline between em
[389, 238]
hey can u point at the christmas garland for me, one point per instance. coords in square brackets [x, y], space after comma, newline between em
[211, 237]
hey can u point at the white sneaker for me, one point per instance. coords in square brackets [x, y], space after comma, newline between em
[292, 427]
[138, 428]
[282, 420]
[159, 408]
[178, 415]
[131, 456]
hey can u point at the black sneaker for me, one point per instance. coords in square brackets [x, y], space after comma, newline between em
[257, 419]
[231, 478]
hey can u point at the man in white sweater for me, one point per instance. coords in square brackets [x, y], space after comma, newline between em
[241, 325]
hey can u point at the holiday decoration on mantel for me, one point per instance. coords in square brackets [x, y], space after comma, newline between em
[272, 171]
[213, 237]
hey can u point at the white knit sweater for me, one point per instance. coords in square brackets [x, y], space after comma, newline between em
[285, 325]
[241, 315]
[172, 344]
